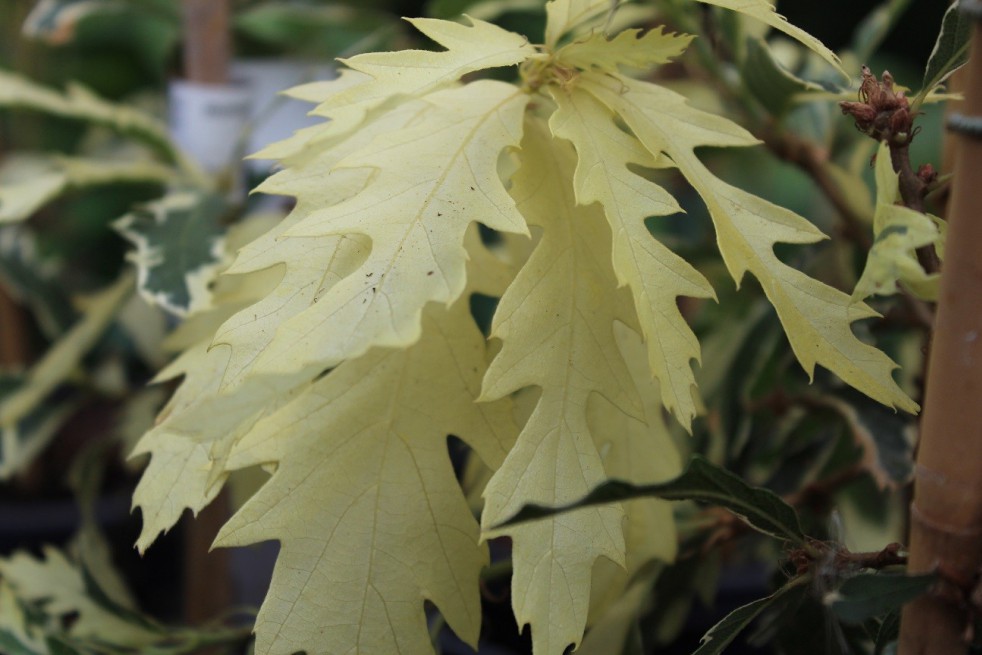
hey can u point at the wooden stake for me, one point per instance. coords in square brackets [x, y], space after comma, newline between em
[946, 513]
[207, 41]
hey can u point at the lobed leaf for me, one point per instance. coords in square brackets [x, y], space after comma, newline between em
[816, 317]
[556, 322]
[655, 275]
[477, 46]
[563, 16]
[364, 451]
[629, 48]
[430, 181]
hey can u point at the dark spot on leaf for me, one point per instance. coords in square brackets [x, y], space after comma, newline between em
[472, 188]
[429, 272]
[374, 289]
[369, 274]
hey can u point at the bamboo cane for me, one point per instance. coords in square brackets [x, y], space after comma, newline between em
[946, 513]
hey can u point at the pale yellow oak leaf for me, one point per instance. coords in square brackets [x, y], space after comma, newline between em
[764, 11]
[655, 275]
[632, 48]
[556, 326]
[563, 16]
[310, 265]
[430, 181]
[817, 318]
[364, 501]
[640, 452]
[469, 48]
[897, 232]
[609, 633]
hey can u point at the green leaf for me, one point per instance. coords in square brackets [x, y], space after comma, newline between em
[869, 595]
[33, 281]
[79, 103]
[62, 358]
[314, 30]
[56, 21]
[950, 51]
[769, 81]
[886, 437]
[875, 26]
[179, 243]
[24, 439]
[724, 632]
[764, 11]
[888, 633]
[29, 181]
[702, 481]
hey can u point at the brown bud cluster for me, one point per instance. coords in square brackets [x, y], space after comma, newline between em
[882, 113]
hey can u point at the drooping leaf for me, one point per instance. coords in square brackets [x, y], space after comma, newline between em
[816, 317]
[79, 103]
[771, 83]
[950, 51]
[630, 48]
[764, 11]
[868, 595]
[886, 438]
[62, 358]
[32, 280]
[28, 182]
[556, 324]
[897, 232]
[760, 508]
[179, 248]
[23, 440]
[724, 632]
[364, 450]
[655, 275]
